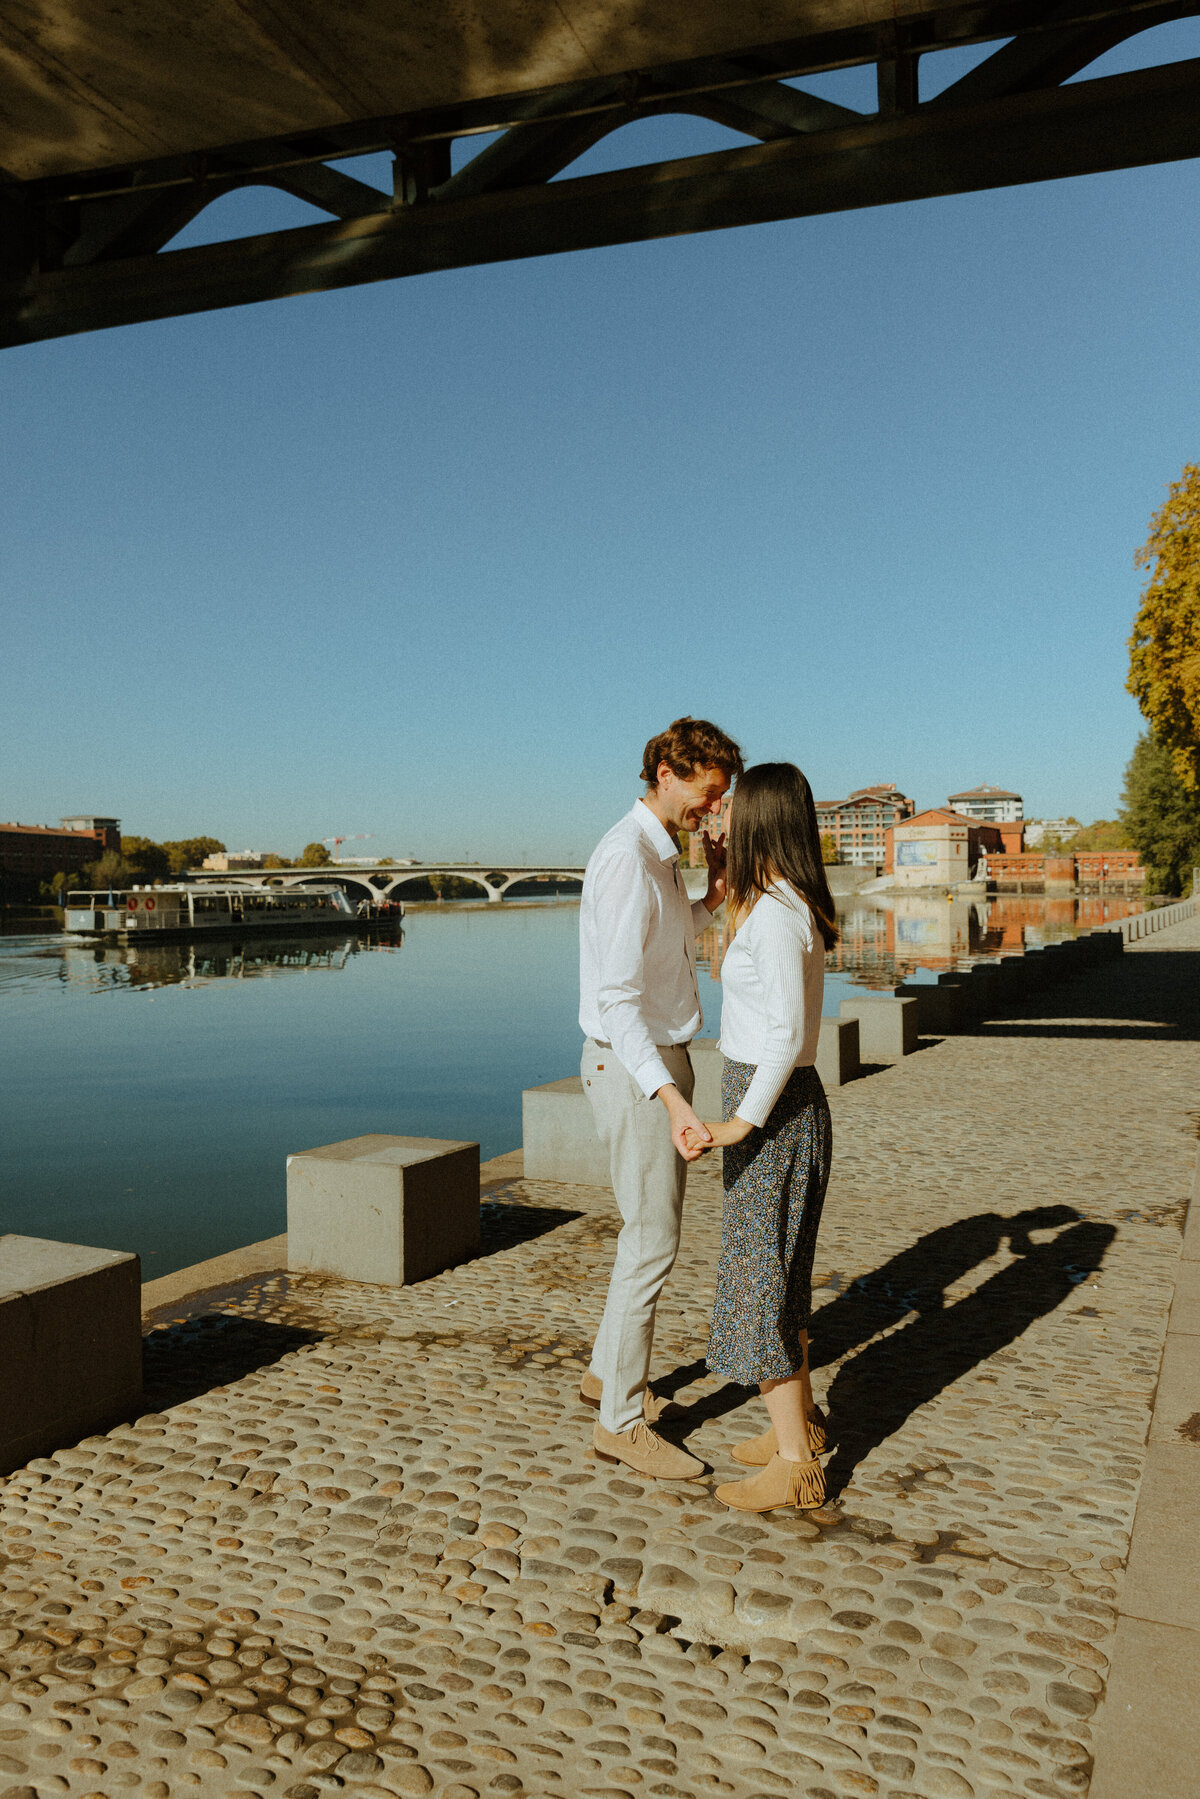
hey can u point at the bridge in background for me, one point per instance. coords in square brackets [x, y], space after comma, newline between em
[387, 882]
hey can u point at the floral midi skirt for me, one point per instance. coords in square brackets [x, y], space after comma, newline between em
[775, 1181]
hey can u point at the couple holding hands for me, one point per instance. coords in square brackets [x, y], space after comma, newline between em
[639, 1010]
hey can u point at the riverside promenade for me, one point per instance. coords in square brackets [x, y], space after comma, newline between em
[360, 1542]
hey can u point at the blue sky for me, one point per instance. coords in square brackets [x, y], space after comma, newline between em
[430, 560]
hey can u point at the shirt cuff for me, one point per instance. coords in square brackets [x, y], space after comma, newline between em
[651, 1075]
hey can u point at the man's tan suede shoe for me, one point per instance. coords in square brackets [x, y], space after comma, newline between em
[645, 1451]
[591, 1391]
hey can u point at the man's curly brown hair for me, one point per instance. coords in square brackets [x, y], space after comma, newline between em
[689, 744]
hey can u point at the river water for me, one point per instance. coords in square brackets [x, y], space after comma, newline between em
[150, 1096]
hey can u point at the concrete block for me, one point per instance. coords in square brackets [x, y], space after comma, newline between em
[70, 1344]
[939, 1009]
[1177, 1402]
[559, 1137]
[709, 1065]
[888, 1026]
[1148, 1730]
[984, 990]
[1162, 1577]
[388, 1210]
[838, 1058]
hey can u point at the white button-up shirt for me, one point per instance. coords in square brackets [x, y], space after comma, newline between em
[637, 947]
[772, 983]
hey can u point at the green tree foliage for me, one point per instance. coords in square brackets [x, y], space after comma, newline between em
[110, 870]
[1164, 649]
[315, 855]
[189, 852]
[1162, 817]
[456, 887]
[1104, 834]
[829, 848]
[61, 883]
[147, 859]
[271, 860]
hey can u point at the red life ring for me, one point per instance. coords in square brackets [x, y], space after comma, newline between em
[131, 904]
[149, 905]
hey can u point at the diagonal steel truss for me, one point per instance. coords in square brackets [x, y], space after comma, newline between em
[80, 253]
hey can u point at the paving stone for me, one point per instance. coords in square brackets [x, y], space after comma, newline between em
[362, 1543]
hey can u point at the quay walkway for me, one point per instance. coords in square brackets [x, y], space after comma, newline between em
[360, 1543]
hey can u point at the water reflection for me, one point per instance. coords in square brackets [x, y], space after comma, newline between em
[209, 959]
[892, 937]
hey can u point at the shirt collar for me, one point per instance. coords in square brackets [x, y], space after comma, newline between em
[664, 844]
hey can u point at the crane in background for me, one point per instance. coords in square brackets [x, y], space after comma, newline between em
[338, 841]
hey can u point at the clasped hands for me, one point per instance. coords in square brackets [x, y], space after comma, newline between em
[720, 1136]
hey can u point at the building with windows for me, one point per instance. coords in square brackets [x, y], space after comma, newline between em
[1038, 829]
[859, 825]
[992, 805]
[30, 854]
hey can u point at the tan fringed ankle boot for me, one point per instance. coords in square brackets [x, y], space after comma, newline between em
[756, 1452]
[779, 1484]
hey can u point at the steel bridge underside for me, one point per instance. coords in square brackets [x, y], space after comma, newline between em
[83, 247]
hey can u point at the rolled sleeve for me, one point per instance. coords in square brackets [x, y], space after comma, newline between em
[779, 947]
[626, 902]
[701, 917]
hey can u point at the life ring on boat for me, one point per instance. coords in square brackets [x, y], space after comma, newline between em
[149, 905]
[131, 904]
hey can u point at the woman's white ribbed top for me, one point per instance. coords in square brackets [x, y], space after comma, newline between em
[773, 985]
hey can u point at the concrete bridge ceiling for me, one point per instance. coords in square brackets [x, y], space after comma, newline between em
[120, 120]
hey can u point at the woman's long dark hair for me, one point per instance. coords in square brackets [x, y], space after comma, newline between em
[773, 835]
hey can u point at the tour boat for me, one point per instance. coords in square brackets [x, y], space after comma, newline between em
[183, 910]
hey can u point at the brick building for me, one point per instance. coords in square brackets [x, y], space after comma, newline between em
[859, 825]
[31, 854]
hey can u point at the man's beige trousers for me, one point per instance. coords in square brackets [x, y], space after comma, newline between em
[648, 1179]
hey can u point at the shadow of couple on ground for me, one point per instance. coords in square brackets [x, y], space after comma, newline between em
[938, 1339]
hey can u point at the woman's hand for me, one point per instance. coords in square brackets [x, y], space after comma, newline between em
[723, 1135]
[714, 856]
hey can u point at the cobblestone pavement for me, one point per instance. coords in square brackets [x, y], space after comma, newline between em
[361, 1543]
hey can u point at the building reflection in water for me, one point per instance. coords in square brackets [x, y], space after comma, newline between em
[889, 938]
[211, 959]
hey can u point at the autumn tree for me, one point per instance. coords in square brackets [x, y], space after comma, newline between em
[1162, 817]
[189, 852]
[829, 848]
[145, 857]
[315, 855]
[1103, 834]
[1164, 650]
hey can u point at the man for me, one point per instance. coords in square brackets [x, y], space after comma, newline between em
[639, 1007]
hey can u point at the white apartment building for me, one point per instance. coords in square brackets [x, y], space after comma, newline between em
[992, 805]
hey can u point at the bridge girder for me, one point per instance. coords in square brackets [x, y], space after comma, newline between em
[85, 251]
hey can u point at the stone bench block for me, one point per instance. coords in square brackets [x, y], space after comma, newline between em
[888, 1027]
[558, 1134]
[709, 1066]
[388, 1210]
[838, 1058]
[70, 1344]
[939, 1009]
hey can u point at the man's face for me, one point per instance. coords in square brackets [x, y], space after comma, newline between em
[689, 802]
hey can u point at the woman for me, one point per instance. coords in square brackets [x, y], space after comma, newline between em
[776, 1134]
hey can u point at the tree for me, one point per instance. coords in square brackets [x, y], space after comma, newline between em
[829, 848]
[1104, 834]
[109, 870]
[1164, 649]
[271, 860]
[189, 852]
[1162, 817]
[145, 857]
[315, 855]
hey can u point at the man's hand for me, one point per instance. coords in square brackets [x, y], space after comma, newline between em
[690, 1137]
[714, 855]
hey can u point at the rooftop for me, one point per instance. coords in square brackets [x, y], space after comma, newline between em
[983, 793]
